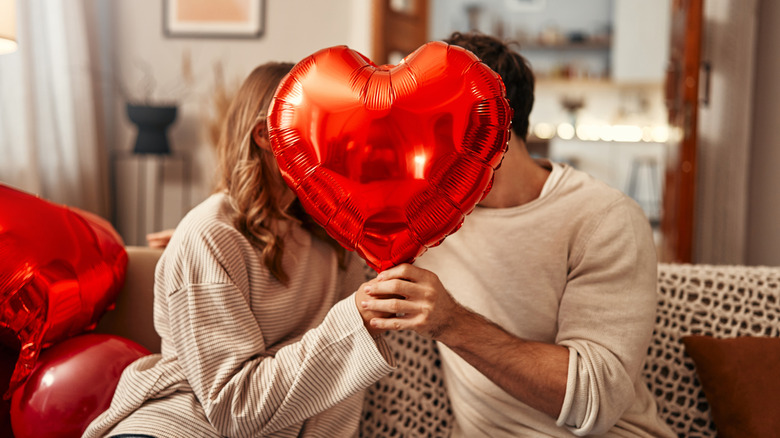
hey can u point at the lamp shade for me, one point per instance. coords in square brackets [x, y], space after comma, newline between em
[7, 26]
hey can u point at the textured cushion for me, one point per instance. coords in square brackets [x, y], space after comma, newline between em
[741, 382]
[412, 400]
[718, 301]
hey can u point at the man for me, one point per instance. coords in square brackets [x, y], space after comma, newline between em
[543, 302]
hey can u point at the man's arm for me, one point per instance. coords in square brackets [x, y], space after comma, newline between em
[533, 372]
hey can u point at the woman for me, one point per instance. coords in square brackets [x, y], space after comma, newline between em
[261, 331]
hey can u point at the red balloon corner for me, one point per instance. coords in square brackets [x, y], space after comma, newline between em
[390, 159]
[71, 384]
[61, 268]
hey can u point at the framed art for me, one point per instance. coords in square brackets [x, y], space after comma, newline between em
[213, 18]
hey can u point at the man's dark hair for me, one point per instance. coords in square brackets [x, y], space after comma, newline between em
[511, 66]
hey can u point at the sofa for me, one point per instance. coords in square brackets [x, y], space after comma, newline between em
[711, 364]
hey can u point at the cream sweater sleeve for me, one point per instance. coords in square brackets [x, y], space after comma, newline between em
[249, 394]
[219, 345]
[606, 317]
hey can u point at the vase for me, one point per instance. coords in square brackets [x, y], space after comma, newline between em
[152, 122]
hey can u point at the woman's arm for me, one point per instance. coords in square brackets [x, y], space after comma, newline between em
[244, 389]
[220, 345]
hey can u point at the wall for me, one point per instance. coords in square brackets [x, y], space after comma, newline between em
[642, 25]
[138, 50]
[134, 33]
[763, 232]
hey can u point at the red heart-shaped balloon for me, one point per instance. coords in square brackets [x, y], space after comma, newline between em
[61, 268]
[390, 159]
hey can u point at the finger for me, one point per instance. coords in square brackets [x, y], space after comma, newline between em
[391, 323]
[366, 285]
[390, 306]
[159, 235]
[404, 271]
[157, 243]
[391, 289]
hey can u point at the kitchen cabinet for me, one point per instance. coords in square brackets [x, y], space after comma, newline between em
[570, 60]
[621, 40]
[633, 51]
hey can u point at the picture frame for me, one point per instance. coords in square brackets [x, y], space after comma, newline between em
[213, 18]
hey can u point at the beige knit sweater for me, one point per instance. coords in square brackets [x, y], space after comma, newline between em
[242, 355]
[575, 267]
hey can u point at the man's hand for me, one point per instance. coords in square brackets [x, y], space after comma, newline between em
[412, 298]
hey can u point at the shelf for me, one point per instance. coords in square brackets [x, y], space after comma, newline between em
[595, 82]
[588, 45]
[587, 59]
[573, 82]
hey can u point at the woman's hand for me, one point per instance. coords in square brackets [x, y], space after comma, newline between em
[368, 315]
[159, 239]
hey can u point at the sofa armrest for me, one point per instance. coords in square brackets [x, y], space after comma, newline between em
[133, 316]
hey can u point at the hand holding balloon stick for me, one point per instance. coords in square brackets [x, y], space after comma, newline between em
[390, 159]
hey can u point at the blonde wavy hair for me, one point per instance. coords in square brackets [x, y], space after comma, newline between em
[262, 202]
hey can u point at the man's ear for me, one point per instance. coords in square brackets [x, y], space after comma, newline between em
[259, 135]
